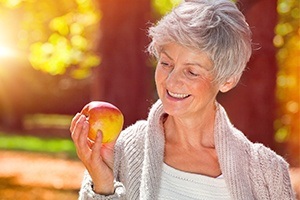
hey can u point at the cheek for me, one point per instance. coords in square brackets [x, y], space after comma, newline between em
[159, 82]
[158, 76]
[206, 90]
[200, 88]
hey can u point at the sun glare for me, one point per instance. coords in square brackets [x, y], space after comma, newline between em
[6, 52]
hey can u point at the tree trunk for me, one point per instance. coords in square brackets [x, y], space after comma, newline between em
[124, 78]
[251, 105]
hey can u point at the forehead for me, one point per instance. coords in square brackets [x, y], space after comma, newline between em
[180, 53]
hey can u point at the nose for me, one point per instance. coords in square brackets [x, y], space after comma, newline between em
[174, 78]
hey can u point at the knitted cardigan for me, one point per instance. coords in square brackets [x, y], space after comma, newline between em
[251, 171]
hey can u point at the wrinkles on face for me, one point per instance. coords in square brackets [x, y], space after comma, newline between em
[183, 79]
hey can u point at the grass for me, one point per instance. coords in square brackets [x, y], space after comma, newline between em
[36, 144]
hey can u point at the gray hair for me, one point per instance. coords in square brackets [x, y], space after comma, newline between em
[216, 27]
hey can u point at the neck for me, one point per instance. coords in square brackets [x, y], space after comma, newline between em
[192, 131]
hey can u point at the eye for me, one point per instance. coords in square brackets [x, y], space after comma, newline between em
[193, 73]
[165, 64]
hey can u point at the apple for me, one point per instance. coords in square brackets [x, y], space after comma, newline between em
[105, 117]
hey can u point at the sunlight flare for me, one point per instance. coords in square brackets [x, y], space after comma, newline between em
[6, 52]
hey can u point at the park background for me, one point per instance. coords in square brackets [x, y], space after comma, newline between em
[56, 56]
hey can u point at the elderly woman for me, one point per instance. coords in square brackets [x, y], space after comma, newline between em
[187, 148]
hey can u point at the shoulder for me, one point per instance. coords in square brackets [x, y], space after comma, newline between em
[269, 168]
[134, 131]
[267, 160]
[258, 154]
[260, 159]
[265, 168]
[129, 150]
[233, 140]
[132, 136]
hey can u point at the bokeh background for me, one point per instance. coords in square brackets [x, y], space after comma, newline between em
[56, 56]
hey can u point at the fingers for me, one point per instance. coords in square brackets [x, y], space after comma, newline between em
[76, 126]
[73, 122]
[82, 141]
[90, 143]
[80, 129]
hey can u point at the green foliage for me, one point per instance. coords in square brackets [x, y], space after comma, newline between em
[164, 6]
[59, 35]
[287, 40]
[36, 144]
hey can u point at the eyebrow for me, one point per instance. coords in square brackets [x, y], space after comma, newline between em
[193, 64]
[164, 52]
[196, 64]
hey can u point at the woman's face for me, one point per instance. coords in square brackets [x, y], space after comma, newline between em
[184, 81]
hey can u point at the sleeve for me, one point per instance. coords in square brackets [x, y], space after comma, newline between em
[87, 193]
[276, 174]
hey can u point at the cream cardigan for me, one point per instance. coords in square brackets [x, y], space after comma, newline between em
[251, 171]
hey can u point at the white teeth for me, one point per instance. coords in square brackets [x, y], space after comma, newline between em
[179, 96]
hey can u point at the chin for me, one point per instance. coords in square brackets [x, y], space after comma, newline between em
[173, 110]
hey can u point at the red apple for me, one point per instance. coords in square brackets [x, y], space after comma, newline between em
[105, 117]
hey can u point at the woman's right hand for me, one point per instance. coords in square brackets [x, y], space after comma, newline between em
[96, 157]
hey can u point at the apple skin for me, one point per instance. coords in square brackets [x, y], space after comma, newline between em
[105, 117]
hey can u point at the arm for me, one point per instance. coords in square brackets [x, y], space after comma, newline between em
[87, 193]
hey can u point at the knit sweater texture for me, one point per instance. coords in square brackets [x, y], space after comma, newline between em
[251, 170]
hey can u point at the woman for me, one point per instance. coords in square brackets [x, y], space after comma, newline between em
[187, 148]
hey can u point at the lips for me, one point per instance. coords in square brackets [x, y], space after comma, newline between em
[177, 95]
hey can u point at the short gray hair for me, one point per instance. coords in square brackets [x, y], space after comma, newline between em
[216, 27]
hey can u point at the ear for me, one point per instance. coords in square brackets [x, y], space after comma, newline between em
[229, 84]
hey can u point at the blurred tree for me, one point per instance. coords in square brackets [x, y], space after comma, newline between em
[57, 38]
[54, 39]
[124, 78]
[69, 39]
[254, 97]
[287, 39]
[161, 7]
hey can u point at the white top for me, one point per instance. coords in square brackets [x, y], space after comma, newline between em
[176, 184]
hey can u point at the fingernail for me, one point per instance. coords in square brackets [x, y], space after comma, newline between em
[98, 134]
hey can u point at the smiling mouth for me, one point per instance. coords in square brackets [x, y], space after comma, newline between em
[177, 95]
